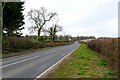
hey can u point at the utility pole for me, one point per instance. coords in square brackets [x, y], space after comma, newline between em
[1, 28]
[1, 23]
[1, 19]
[1, 9]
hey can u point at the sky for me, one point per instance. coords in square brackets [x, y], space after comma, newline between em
[97, 18]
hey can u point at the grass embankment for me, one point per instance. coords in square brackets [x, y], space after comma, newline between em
[84, 63]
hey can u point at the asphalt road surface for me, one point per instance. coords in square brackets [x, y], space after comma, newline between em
[33, 64]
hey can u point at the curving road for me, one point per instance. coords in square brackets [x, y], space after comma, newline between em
[33, 64]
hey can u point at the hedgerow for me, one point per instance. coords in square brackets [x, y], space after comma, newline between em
[16, 44]
[109, 49]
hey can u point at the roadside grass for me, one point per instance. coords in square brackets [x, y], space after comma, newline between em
[84, 63]
[7, 55]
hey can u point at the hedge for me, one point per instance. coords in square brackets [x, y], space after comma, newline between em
[109, 49]
[15, 44]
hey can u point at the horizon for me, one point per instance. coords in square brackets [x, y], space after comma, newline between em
[80, 18]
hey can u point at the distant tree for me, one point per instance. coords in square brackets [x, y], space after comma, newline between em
[68, 37]
[39, 17]
[13, 18]
[77, 38]
[53, 30]
[87, 37]
[61, 37]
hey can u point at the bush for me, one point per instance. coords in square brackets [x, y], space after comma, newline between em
[108, 48]
[15, 44]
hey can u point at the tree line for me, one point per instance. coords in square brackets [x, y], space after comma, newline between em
[40, 18]
[13, 22]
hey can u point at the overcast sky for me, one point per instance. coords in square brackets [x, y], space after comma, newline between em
[80, 17]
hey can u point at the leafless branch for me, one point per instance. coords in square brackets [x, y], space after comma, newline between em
[40, 18]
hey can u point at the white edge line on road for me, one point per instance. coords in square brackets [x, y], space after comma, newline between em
[39, 76]
[24, 60]
[18, 62]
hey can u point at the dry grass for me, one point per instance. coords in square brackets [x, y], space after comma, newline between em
[109, 50]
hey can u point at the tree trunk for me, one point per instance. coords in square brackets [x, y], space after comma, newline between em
[39, 31]
[53, 37]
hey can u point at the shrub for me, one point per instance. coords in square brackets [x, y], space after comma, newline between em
[15, 44]
[108, 48]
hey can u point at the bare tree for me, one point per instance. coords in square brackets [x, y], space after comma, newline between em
[68, 37]
[53, 30]
[39, 17]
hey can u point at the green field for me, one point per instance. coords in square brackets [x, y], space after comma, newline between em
[84, 63]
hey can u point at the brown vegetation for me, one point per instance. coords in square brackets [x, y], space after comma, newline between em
[109, 49]
[16, 44]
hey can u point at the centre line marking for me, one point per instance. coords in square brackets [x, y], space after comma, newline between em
[24, 60]
[18, 62]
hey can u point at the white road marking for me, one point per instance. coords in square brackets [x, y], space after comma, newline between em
[18, 62]
[63, 54]
[39, 76]
[23, 60]
[52, 52]
[46, 53]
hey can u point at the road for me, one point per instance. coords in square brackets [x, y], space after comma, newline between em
[33, 64]
[87, 40]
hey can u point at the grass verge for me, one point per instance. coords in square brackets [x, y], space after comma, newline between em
[84, 63]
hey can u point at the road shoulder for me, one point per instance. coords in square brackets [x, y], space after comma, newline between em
[84, 63]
